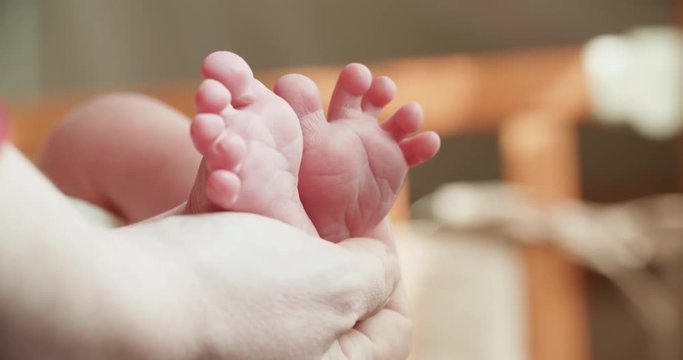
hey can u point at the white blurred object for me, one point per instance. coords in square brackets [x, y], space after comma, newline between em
[637, 78]
[608, 238]
[467, 294]
[619, 241]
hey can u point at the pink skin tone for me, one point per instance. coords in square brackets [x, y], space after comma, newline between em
[252, 145]
[127, 153]
[347, 170]
[261, 153]
[186, 287]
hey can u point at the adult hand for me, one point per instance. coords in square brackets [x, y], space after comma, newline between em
[223, 285]
[255, 288]
[212, 280]
[386, 335]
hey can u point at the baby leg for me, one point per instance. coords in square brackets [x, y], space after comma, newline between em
[127, 153]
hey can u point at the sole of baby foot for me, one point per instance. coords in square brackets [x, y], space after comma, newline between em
[353, 167]
[251, 143]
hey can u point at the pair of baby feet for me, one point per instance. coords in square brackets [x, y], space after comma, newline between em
[275, 153]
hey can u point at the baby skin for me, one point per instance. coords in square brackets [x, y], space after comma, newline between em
[275, 153]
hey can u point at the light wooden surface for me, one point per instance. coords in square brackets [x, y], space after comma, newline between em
[540, 152]
[459, 94]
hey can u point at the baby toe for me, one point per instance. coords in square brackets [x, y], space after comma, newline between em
[204, 131]
[405, 120]
[227, 152]
[303, 96]
[212, 97]
[420, 148]
[230, 70]
[381, 92]
[222, 188]
[353, 82]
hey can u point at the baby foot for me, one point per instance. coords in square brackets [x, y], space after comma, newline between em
[353, 167]
[251, 142]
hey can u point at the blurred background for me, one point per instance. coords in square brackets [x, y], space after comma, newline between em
[479, 304]
[72, 45]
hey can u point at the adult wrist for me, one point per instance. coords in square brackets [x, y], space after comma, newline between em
[115, 299]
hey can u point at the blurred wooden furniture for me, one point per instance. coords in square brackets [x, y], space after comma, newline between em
[534, 99]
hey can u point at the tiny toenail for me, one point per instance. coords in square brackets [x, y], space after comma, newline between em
[223, 145]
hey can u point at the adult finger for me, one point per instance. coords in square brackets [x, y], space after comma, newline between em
[371, 278]
[384, 336]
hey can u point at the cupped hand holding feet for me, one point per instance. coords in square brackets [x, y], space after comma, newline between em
[235, 285]
[257, 288]
[220, 286]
